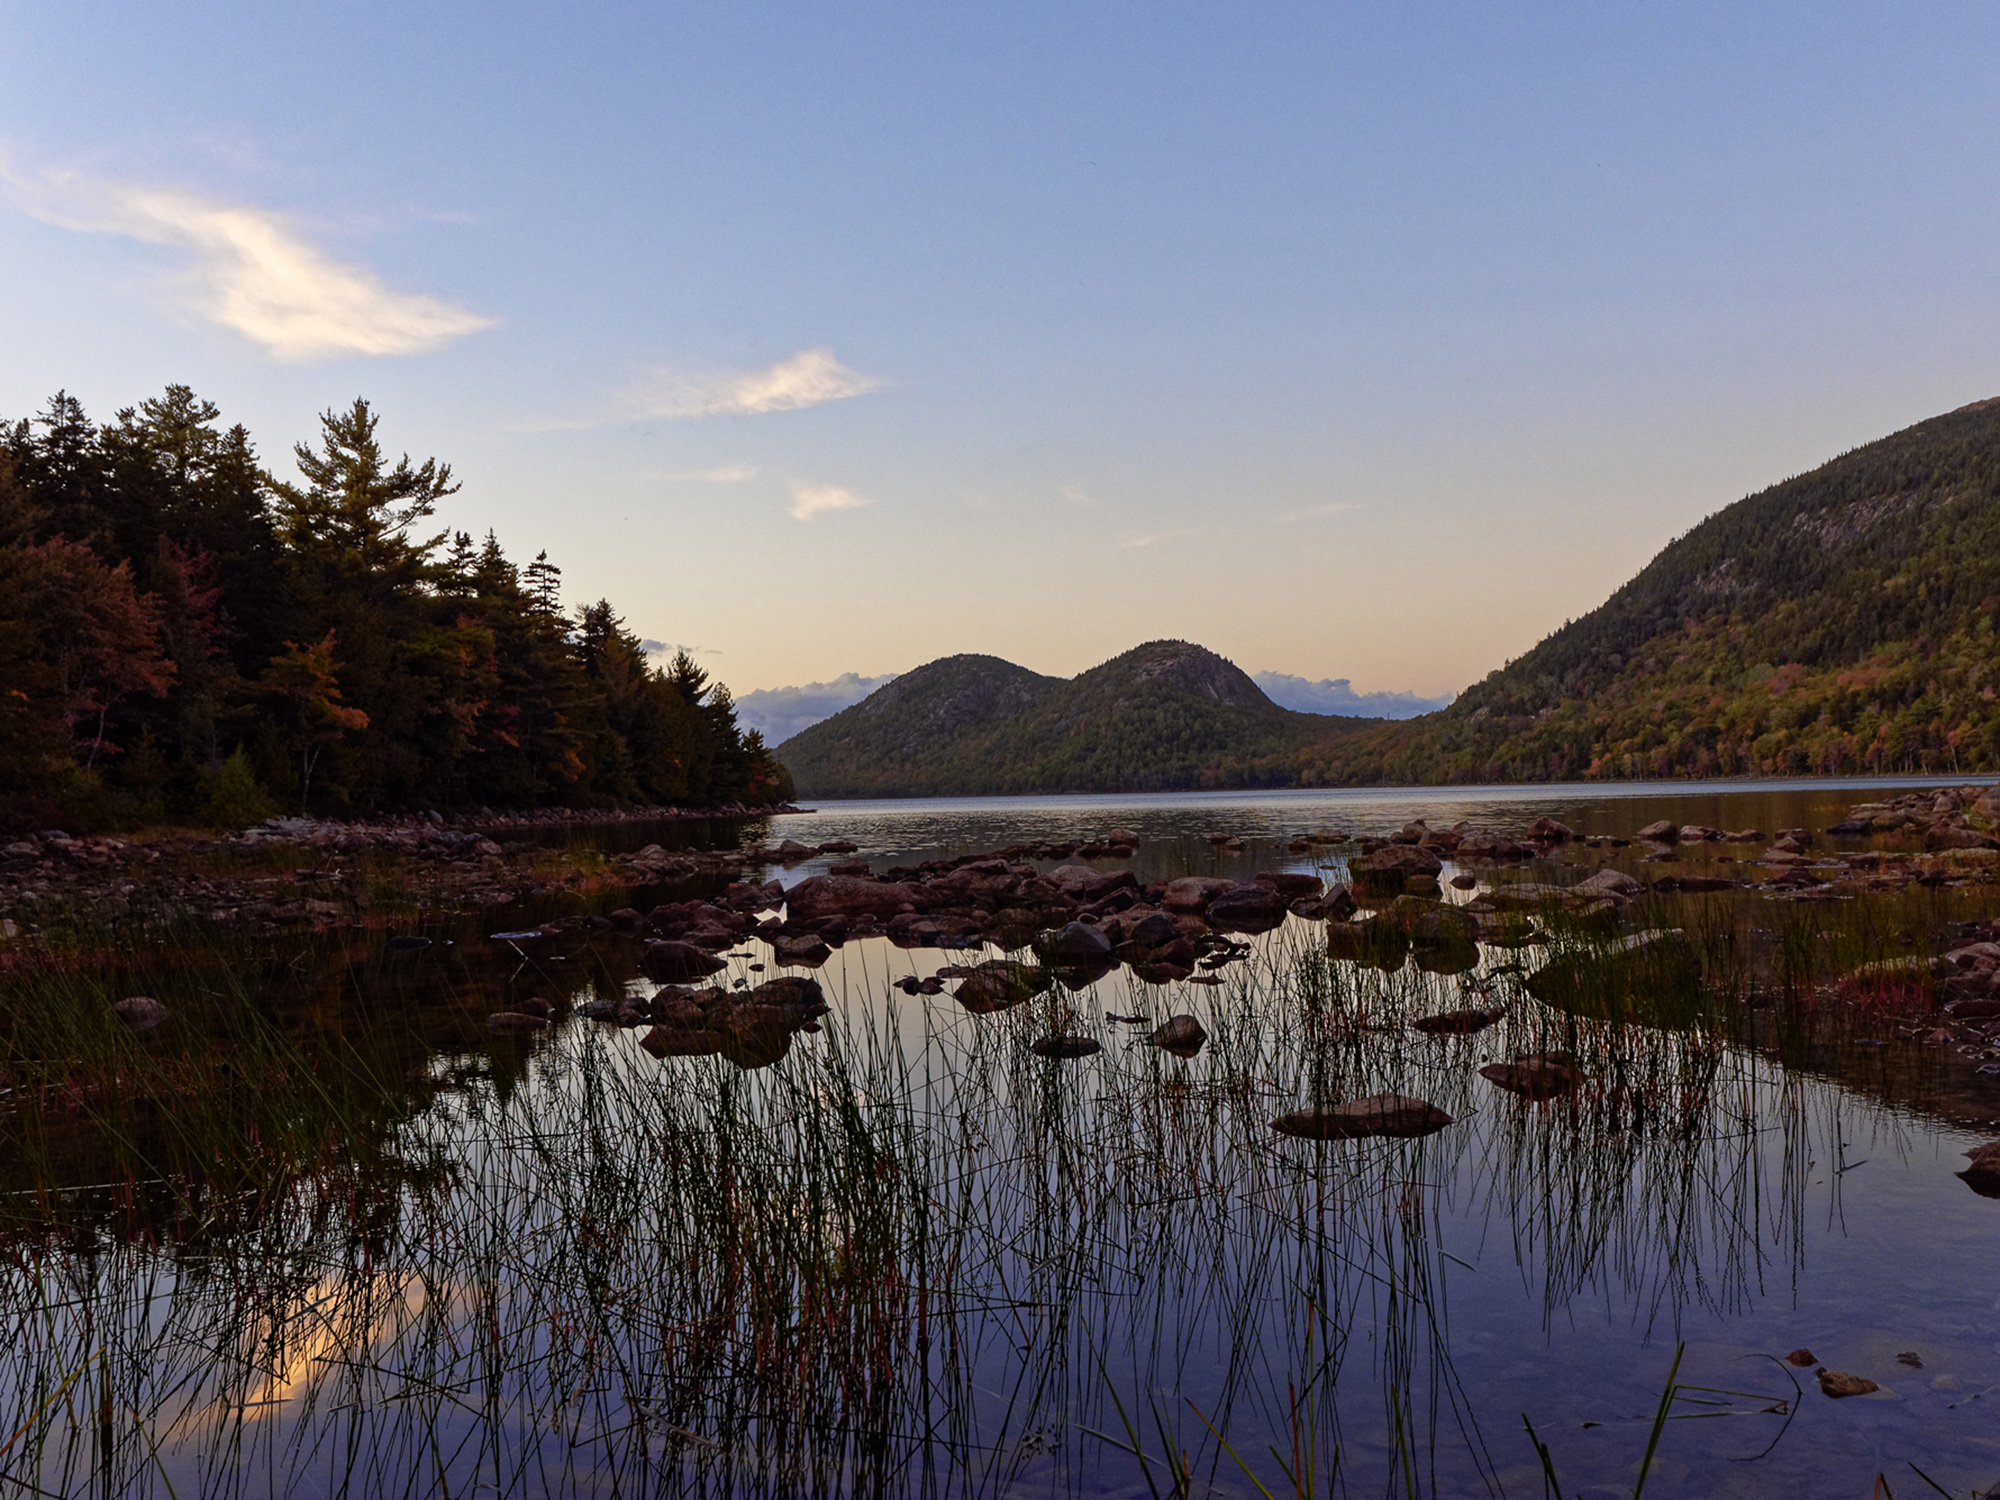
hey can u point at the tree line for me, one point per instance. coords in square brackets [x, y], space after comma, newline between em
[186, 637]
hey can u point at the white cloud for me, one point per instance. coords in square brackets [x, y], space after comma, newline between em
[809, 378]
[780, 713]
[1146, 539]
[719, 474]
[809, 500]
[251, 271]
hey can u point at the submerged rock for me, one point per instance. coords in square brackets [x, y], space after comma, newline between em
[515, 1021]
[676, 962]
[1377, 1115]
[1659, 964]
[1838, 1384]
[141, 1012]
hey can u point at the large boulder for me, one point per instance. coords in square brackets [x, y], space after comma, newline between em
[852, 896]
[1192, 893]
[1291, 884]
[1484, 844]
[1081, 883]
[677, 963]
[1613, 883]
[1248, 907]
[1377, 1115]
[1661, 831]
[1079, 943]
[1389, 868]
[1154, 930]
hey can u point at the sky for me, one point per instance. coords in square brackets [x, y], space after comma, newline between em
[1361, 344]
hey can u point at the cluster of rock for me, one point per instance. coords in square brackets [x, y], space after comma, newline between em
[1959, 818]
[424, 837]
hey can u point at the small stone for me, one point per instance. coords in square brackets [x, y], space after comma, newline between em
[1377, 1115]
[1181, 1035]
[1804, 1359]
[1911, 1358]
[514, 1022]
[1457, 1022]
[1532, 1077]
[1838, 1384]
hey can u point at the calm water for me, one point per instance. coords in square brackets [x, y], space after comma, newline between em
[1147, 1251]
[1176, 824]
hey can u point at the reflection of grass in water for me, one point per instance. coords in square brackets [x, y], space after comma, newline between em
[912, 1256]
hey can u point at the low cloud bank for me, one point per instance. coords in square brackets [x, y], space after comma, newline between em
[780, 713]
[1337, 696]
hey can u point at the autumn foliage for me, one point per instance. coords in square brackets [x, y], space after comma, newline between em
[168, 607]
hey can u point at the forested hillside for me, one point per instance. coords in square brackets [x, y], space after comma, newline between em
[1838, 623]
[184, 636]
[1165, 716]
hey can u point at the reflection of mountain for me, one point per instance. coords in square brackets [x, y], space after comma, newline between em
[1165, 716]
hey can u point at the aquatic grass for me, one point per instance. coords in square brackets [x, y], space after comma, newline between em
[910, 1256]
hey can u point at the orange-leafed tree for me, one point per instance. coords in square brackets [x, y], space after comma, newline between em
[100, 636]
[305, 681]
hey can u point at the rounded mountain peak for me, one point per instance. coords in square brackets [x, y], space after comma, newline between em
[1194, 669]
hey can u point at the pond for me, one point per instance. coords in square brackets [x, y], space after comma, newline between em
[324, 1232]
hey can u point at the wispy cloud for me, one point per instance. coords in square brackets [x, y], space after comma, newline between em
[719, 474]
[809, 500]
[811, 377]
[1147, 539]
[250, 270]
[1334, 508]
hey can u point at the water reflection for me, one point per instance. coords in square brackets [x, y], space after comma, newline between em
[347, 1238]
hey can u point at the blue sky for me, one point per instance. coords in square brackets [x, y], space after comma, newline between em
[1364, 343]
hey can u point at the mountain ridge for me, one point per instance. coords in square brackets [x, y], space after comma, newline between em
[1166, 715]
[1841, 621]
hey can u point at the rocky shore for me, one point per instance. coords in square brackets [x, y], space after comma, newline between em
[300, 872]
